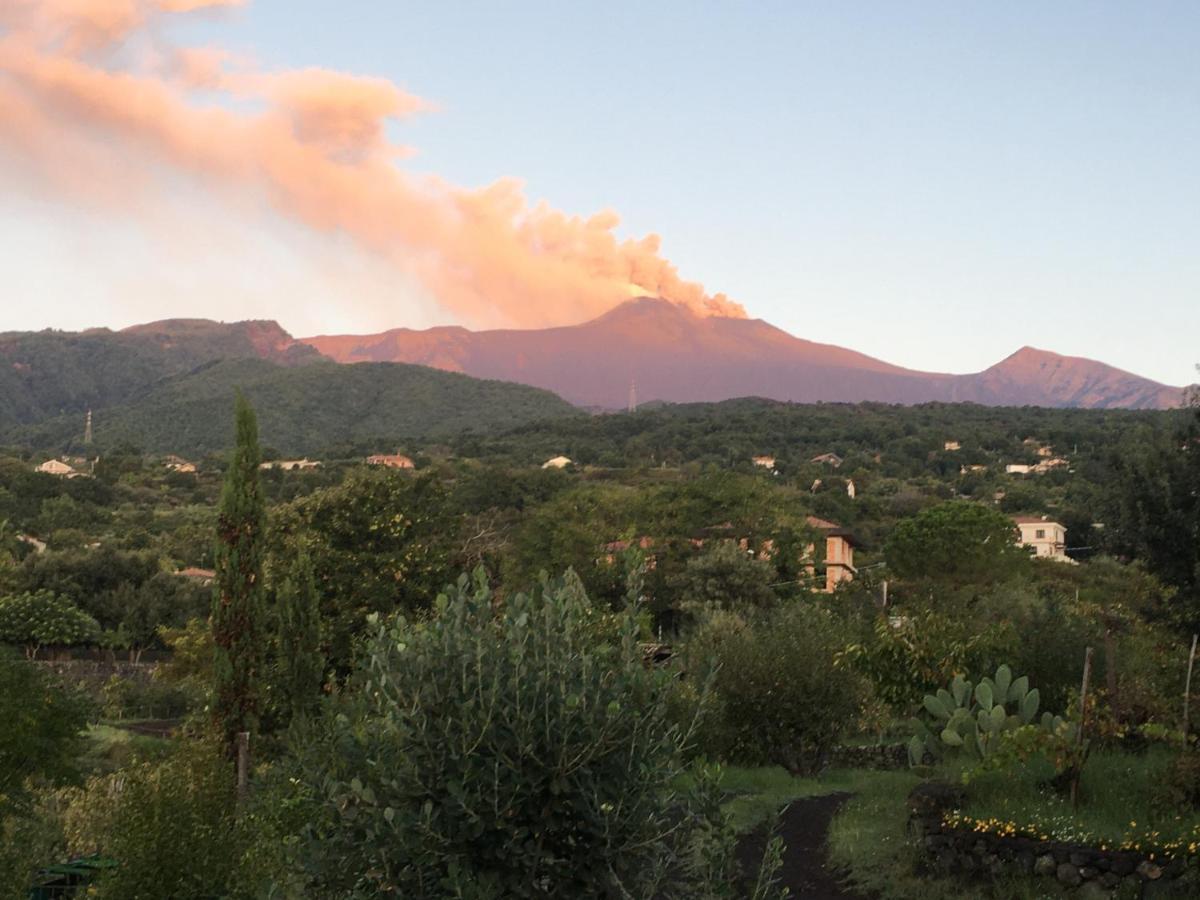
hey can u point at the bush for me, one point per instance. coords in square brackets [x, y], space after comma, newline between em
[501, 750]
[1179, 789]
[28, 842]
[34, 619]
[41, 734]
[172, 824]
[781, 697]
[126, 698]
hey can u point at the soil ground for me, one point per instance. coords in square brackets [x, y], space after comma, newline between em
[804, 827]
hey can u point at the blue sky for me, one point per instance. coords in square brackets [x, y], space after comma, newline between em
[936, 184]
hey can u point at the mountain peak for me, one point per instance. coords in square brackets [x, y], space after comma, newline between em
[675, 352]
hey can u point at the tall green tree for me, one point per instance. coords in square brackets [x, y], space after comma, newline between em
[1154, 512]
[238, 596]
[955, 543]
[300, 663]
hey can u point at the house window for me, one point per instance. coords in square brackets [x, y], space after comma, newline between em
[1041, 533]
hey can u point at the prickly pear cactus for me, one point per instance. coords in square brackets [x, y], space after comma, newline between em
[971, 718]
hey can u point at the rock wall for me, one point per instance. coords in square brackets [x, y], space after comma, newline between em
[969, 854]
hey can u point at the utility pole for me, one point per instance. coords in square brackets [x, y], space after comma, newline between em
[87, 428]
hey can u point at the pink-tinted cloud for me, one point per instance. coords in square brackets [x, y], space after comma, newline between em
[312, 144]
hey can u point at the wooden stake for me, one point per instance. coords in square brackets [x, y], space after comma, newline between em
[1187, 692]
[1110, 669]
[243, 764]
[1083, 692]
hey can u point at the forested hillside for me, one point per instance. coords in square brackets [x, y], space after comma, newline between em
[50, 373]
[303, 409]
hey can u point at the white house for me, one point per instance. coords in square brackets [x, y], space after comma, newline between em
[1047, 538]
[1018, 469]
[291, 465]
[557, 462]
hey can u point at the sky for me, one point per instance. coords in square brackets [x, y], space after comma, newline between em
[936, 184]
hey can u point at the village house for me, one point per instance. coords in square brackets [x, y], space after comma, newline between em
[951, 446]
[1018, 469]
[198, 575]
[37, 545]
[557, 462]
[291, 465]
[185, 468]
[766, 462]
[828, 459]
[390, 460]
[57, 468]
[179, 464]
[839, 553]
[1047, 538]
[963, 470]
[1047, 465]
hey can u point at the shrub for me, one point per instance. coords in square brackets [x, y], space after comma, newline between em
[501, 750]
[781, 697]
[27, 843]
[172, 824]
[41, 735]
[34, 619]
[1179, 789]
[910, 656]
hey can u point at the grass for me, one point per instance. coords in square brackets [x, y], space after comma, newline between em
[1118, 805]
[108, 748]
[868, 840]
[868, 837]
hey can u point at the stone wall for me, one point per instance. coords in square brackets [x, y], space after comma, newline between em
[969, 854]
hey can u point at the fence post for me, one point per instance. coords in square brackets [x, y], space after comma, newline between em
[1083, 692]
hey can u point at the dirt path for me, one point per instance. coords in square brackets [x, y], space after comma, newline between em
[804, 827]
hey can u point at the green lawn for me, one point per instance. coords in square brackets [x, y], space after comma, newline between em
[1117, 801]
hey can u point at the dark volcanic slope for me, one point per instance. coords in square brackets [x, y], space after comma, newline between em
[673, 354]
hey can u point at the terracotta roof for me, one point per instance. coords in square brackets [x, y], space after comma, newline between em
[831, 528]
[194, 572]
[1034, 520]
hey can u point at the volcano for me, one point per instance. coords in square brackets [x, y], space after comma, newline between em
[671, 354]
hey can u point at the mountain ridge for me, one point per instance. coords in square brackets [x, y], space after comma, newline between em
[671, 354]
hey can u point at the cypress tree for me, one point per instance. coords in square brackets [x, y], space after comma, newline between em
[238, 593]
[301, 665]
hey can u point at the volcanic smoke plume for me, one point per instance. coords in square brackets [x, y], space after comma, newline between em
[96, 102]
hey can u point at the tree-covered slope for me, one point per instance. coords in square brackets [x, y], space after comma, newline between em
[45, 374]
[304, 409]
